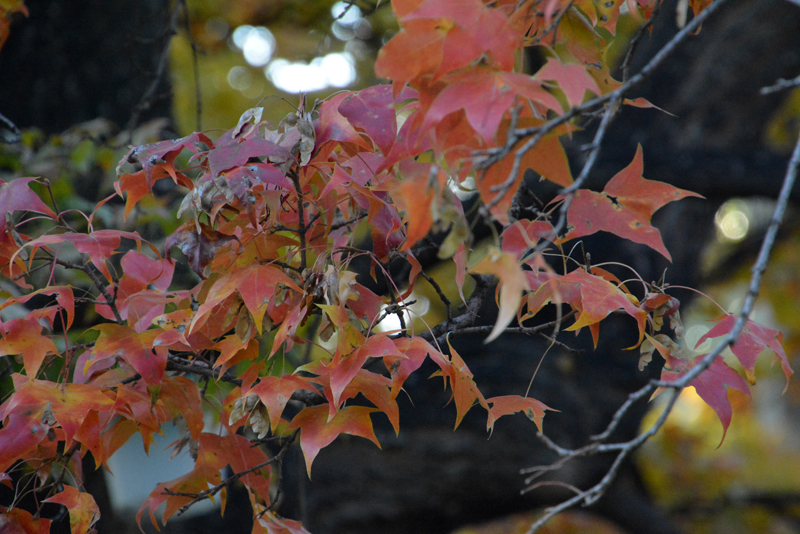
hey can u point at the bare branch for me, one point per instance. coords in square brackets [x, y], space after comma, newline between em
[625, 449]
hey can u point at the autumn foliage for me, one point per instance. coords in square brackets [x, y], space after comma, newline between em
[275, 214]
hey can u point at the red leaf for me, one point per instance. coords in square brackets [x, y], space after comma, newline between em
[182, 397]
[16, 195]
[132, 347]
[193, 482]
[17, 520]
[505, 405]
[238, 452]
[83, 510]
[99, 245]
[465, 391]
[21, 433]
[572, 79]
[372, 110]
[275, 525]
[317, 431]
[333, 126]
[256, 284]
[512, 283]
[414, 195]
[414, 350]
[752, 342]
[239, 151]
[711, 385]
[441, 36]
[343, 369]
[591, 295]
[522, 236]
[275, 392]
[547, 158]
[498, 92]
[69, 403]
[624, 207]
[24, 337]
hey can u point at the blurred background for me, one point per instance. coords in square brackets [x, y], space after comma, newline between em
[83, 80]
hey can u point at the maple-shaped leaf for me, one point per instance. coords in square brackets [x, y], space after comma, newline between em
[193, 482]
[571, 78]
[508, 404]
[182, 397]
[465, 391]
[141, 292]
[711, 385]
[512, 283]
[343, 368]
[275, 392]
[624, 207]
[239, 151]
[21, 433]
[82, 508]
[200, 247]
[136, 348]
[256, 284]
[438, 36]
[498, 90]
[524, 235]
[238, 452]
[750, 344]
[139, 184]
[64, 297]
[164, 153]
[16, 195]
[16, 520]
[24, 337]
[414, 196]
[318, 431]
[68, 404]
[372, 110]
[414, 351]
[98, 245]
[593, 297]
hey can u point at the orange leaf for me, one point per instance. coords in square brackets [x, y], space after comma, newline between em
[752, 342]
[21, 433]
[572, 79]
[275, 392]
[16, 195]
[133, 347]
[17, 520]
[317, 432]
[512, 283]
[69, 403]
[591, 295]
[83, 510]
[508, 404]
[624, 207]
[465, 391]
[24, 337]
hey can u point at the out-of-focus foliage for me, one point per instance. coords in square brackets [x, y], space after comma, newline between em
[301, 33]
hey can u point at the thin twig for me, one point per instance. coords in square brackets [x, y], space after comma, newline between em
[210, 492]
[625, 449]
[780, 85]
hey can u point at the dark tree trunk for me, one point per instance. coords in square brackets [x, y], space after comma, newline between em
[71, 62]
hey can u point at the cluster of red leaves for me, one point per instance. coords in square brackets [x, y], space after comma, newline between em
[274, 213]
